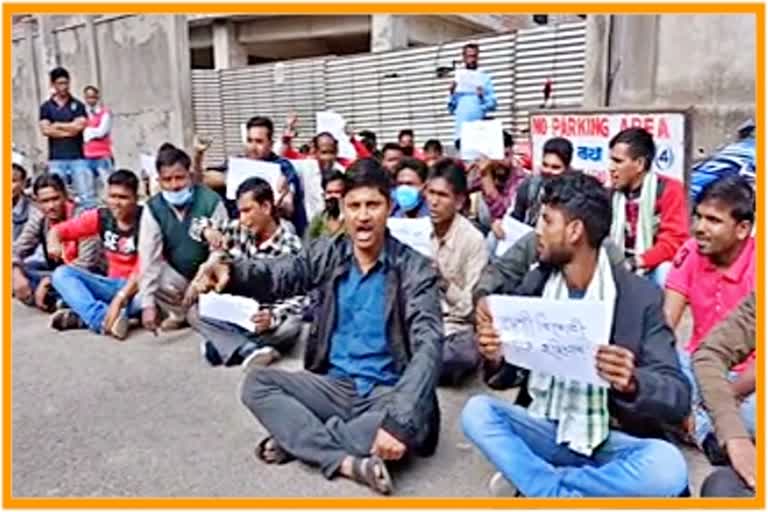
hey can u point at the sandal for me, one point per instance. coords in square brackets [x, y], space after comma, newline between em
[278, 455]
[372, 471]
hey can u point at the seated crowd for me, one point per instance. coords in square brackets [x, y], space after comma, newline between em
[388, 325]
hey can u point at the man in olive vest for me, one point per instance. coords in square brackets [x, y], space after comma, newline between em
[168, 257]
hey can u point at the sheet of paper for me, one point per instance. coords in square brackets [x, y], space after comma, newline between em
[514, 230]
[413, 232]
[556, 337]
[229, 308]
[240, 169]
[333, 123]
[147, 164]
[482, 138]
[312, 183]
[468, 80]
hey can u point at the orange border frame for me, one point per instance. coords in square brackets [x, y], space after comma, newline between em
[384, 8]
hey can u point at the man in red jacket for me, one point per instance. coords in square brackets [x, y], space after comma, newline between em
[650, 218]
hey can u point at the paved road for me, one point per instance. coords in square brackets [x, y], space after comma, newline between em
[95, 417]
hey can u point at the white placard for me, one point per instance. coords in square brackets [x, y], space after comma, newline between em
[240, 169]
[148, 165]
[514, 230]
[482, 138]
[229, 308]
[335, 124]
[468, 80]
[556, 337]
[311, 179]
[414, 233]
[590, 134]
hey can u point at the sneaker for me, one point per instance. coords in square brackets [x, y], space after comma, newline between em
[263, 356]
[119, 328]
[501, 487]
[66, 319]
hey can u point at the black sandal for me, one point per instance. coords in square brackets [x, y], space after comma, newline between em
[280, 456]
[364, 471]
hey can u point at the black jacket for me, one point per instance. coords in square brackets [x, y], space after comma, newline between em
[663, 394]
[413, 315]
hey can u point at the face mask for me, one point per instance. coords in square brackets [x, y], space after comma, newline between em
[408, 197]
[178, 197]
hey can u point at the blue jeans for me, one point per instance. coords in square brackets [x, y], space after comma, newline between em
[89, 294]
[78, 173]
[102, 169]
[703, 422]
[659, 275]
[525, 450]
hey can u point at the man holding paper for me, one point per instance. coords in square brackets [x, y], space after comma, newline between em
[576, 438]
[471, 94]
[373, 357]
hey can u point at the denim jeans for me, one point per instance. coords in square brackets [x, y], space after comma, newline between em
[526, 452]
[102, 169]
[77, 173]
[659, 275]
[35, 271]
[703, 422]
[89, 294]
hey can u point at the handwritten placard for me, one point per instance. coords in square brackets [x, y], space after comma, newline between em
[468, 80]
[514, 230]
[240, 169]
[556, 337]
[414, 233]
[229, 308]
[147, 164]
[333, 123]
[482, 138]
[312, 183]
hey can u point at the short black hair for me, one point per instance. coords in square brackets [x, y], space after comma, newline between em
[21, 170]
[334, 176]
[509, 140]
[581, 197]
[470, 46]
[403, 133]
[367, 172]
[261, 122]
[49, 180]
[124, 178]
[560, 147]
[640, 144]
[90, 88]
[450, 171]
[316, 138]
[415, 165]
[368, 135]
[57, 73]
[260, 190]
[735, 192]
[433, 145]
[169, 155]
[392, 146]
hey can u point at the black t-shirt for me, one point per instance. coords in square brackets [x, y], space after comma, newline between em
[68, 148]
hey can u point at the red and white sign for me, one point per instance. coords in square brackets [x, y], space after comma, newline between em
[591, 133]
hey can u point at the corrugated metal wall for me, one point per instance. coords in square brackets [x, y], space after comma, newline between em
[386, 92]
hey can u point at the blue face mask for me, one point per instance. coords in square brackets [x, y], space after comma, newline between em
[178, 197]
[408, 197]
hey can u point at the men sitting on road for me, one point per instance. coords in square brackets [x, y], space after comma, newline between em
[713, 272]
[410, 176]
[730, 343]
[100, 303]
[650, 218]
[460, 256]
[373, 359]
[257, 235]
[32, 277]
[579, 439]
[329, 222]
[168, 256]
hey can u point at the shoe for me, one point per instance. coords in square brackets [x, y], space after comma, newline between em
[66, 319]
[263, 356]
[119, 328]
[711, 448]
[501, 487]
[173, 324]
[209, 353]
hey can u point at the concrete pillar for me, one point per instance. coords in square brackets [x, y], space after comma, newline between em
[388, 32]
[634, 53]
[93, 52]
[181, 125]
[227, 51]
[597, 55]
[50, 51]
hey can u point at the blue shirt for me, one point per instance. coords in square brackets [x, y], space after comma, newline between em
[359, 345]
[467, 106]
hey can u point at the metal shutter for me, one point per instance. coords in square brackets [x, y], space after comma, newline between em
[207, 110]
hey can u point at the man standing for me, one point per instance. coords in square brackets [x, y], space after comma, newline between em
[168, 256]
[102, 304]
[256, 235]
[97, 136]
[373, 360]
[460, 256]
[578, 439]
[63, 119]
[713, 273]
[32, 279]
[650, 218]
[471, 105]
